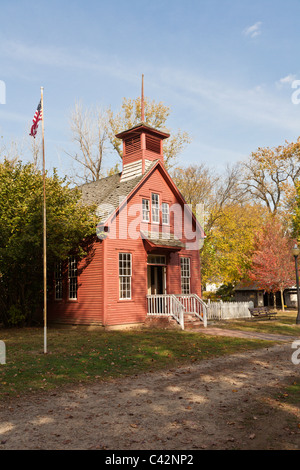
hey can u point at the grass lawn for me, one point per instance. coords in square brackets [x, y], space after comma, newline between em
[78, 355]
[292, 394]
[283, 324]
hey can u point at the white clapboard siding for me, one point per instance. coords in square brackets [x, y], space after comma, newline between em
[134, 169]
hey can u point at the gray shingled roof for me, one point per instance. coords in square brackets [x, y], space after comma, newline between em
[162, 239]
[247, 285]
[107, 193]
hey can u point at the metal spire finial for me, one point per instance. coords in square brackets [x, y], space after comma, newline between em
[142, 101]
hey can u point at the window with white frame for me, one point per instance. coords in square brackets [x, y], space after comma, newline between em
[58, 280]
[156, 259]
[72, 277]
[185, 275]
[125, 272]
[155, 207]
[165, 213]
[146, 210]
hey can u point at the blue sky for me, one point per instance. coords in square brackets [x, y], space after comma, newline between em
[225, 68]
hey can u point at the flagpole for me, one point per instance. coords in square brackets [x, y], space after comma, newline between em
[44, 227]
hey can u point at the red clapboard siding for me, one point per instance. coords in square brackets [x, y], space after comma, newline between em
[134, 310]
[98, 283]
[87, 308]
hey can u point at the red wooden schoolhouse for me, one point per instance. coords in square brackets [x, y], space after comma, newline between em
[145, 261]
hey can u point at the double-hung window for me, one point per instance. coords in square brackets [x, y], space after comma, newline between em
[155, 207]
[58, 280]
[146, 210]
[125, 272]
[72, 277]
[185, 275]
[165, 213]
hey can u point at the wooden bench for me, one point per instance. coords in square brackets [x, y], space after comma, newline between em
[262, 312]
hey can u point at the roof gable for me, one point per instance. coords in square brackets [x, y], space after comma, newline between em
[110, 193]
[107, 192]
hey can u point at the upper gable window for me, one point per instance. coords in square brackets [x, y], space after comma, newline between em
[146, 210]
[165, 213]
[155, 207]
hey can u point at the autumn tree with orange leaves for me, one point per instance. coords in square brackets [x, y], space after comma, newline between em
[272, 262]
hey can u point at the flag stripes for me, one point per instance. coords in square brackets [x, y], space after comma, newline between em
[36, 119]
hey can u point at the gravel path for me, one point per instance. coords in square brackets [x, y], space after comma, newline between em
[225, 403]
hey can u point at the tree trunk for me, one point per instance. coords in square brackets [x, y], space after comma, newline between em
[274, 300]
[282, 299]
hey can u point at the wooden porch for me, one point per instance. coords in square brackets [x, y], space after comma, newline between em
[177, 306]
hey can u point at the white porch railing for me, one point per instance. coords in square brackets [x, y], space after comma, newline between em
[166, 305]
[193, 304]
[176, 306]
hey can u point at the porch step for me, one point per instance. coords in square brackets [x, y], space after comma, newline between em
[192, 322]
[161, 322]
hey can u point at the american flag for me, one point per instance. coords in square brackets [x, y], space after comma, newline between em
[36, 119]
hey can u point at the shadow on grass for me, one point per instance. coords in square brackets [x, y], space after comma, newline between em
[79, 355]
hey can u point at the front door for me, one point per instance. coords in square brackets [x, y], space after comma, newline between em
[156, 280]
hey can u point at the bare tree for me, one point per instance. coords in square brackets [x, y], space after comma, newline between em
[25, 150]
[36, 149]
[200, 184]
[269, 175]
[89, 129]
[94, 133]
[196, 183]
[11, 152]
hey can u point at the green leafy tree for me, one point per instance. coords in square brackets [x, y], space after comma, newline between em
[226, 292]
[21, 236]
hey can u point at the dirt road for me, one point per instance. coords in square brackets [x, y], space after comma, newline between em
[225, 403]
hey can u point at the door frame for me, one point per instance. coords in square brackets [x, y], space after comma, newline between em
[164, 277]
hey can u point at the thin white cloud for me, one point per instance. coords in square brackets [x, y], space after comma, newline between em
[13, 117]
[254, 30]
[61, 57]
[285, 82]
[261, 105]
[288, 79]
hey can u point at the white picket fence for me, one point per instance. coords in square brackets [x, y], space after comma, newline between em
[228, 310]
